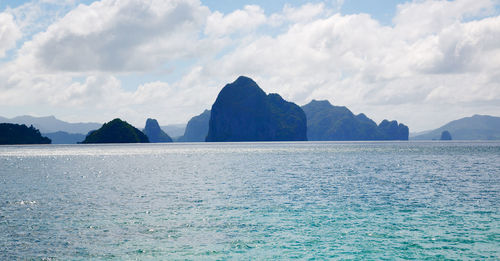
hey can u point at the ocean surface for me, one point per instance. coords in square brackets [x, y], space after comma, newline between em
[351, 200]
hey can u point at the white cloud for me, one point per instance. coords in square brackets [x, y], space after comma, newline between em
[115, 36]
[420, 18]
[303, 13]
[9, 33]
[242, 21]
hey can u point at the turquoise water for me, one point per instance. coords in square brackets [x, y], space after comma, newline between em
[359, 200]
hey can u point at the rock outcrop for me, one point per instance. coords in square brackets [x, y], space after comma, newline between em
[243, 112]
[155, 133]
[445, 135]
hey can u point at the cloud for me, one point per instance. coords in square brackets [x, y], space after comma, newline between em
[419, 18]
[241, 21]
[117, 36]
[9, 33]
[303, 13]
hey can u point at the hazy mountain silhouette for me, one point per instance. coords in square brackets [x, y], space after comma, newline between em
[155, 133]
[328, 122]
[197, 128]
[174, 130]
[116, 131]
[11, 133]
[51, 124]
[243, 112]
[477, 127]
[61, 137]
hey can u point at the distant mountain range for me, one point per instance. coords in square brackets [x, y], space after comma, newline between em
[174, 130]
[61, 137]
[477, 127]
[245, 112]
[51, 124]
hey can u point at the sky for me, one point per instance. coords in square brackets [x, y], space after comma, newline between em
[423, 63]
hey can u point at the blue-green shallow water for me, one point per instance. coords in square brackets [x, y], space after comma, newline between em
[251, 201]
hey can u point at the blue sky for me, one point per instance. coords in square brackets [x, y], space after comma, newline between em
[380, 10]
[423, 62]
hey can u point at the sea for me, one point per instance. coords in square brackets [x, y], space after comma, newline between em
[251, 201]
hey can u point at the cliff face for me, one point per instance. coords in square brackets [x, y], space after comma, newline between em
[20, 134]
[155, 133]
[116, 131]
[391, 130]
[197, 128]
[328, 122]
[243, 112]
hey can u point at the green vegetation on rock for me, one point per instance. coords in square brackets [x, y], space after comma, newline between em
[20, 134]
[116, 131]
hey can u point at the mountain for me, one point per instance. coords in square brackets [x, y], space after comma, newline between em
[243, 112]
[51, 124]
[116, 131]
[328, 122]
[155, 133]
[197, 128]
[174, 130]
[477, 127]
[20, 134]
[61, 137]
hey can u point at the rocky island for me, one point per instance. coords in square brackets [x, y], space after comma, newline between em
[116, 131]
[336, 123]
[155, 133]
[243, 112]
[11, 134]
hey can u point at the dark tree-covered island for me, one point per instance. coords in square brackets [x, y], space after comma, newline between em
[11, 134]
[155, 133]
[243, 112]
[337, 123]
[116, 131]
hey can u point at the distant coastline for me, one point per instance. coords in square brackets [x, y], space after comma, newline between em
[256, 117]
